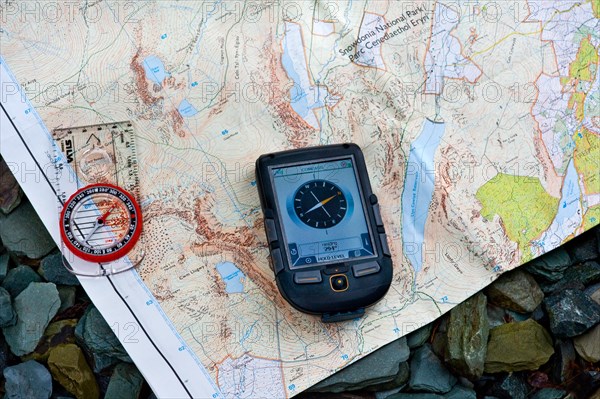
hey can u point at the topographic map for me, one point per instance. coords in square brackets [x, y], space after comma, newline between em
[479, 121]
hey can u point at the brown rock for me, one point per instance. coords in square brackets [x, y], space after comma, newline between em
[68, 366]
[518, 346]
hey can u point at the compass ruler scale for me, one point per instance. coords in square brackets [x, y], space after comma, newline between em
[101, 221]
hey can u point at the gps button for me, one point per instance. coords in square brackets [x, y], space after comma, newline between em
[384, 245]
[309, 277]
[277, 260]
[338, 282]
[365, 269]
[270, 229]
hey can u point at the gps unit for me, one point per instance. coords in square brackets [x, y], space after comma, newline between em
[329, 251]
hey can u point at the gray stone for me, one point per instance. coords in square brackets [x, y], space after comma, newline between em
[551, 265]
[35, 307]
[518, 346]
[4, 354]
[8, 317]
[19, 278]
[496, 315]
[23, 233]
[54, 271]
[27, 380]
[517, 291]
[10, 192]
[576, 277]
[510, 386]
[587, 273]
[571, 313]
[460, 392]
[99, 340]
[383, 394]
[427, 373]
[468, 330]
[584, 247]
[419, 337]
[380, 367]
[4, 262]
[549, 393]
[588, 344]
[439, 340]
[125, 383]
[67, 296]
[564, 358]
[594, 292]
[398, 382]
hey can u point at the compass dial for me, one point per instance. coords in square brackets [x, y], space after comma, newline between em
[101, 223]
[320, 204]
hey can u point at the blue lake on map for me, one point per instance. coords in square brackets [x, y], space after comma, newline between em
[304, 97]
[567, 217]
[186, 109]
[232, 276]
[418, 190]
[155, 69]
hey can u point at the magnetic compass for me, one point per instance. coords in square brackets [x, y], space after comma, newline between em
[100, 223]
[320, 204]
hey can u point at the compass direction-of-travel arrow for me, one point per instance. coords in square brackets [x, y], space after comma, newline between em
[93, 135]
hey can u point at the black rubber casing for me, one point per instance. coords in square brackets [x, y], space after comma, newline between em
[320, 298]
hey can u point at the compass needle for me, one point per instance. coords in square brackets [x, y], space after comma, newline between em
[100, 241]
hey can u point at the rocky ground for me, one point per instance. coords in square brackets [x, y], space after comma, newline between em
[534, 333]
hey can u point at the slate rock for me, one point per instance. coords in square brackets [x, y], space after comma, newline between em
[510, 386]
[419, 337]
[439, 340]
[68, 366]
[10, 192]
[468, 330]
[524, 345]
[588, 381]
[517, 291]
[549, 393]
[460, 392]
[584, 247]
[4, 354]
[8, 317]
[550, 266]
[19, 278]
[380, 367]
[427, 372]
[54, 271]
[594, 292]
[398, 382]
[35, 307]
[587, 273]
[563, 359]
[27, 380]
[99, 339]
[4, 262]
[126, 382]
[571, 313]
[23, 233]
[58, 332]
[576, 277]
[588, 344]
[67, 295]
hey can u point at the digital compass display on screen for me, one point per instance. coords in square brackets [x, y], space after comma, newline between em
[320, 204]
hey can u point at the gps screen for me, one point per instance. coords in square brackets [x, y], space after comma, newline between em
[322, 214]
